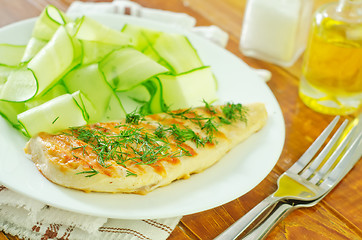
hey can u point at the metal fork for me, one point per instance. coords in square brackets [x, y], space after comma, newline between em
[263, 228]
[308, 179]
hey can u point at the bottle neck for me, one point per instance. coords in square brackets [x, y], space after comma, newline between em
[350, 9]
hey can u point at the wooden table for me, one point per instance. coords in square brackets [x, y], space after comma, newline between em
[338, 216]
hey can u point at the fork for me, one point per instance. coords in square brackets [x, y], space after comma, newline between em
[308, 179]
[263, 228]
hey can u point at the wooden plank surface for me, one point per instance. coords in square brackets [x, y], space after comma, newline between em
[338, 216]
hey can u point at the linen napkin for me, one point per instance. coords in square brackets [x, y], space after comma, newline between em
[31, 219]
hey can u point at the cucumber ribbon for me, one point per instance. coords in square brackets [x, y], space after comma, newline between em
[76, 72]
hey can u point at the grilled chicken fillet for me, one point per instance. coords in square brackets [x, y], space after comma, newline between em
[139, 154]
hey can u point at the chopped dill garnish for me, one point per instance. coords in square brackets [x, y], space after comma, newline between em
[184, 151]
[209, 107]
[145, 144]
[83, 149]
[210, 128]
[183, 135]
[129, 173]
[234, 112]
[55, 120]
[224, 120]
[90, 173]
[160, 132]
[134, 118]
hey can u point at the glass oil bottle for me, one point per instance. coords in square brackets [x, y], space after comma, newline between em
[331, 81]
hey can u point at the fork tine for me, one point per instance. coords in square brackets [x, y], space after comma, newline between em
[345, 164]
[313, 149]
[322, 155]
[348, 160]
[328, 164]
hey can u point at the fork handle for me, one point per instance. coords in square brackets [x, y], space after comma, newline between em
[264, 228]
[252, 217]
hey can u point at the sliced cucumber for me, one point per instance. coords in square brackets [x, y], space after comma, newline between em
[90, 81]
[134, 98]
[45, 27]
[57, 90]
[48, 23]
[84, 103]
[174, 51]
[141, 37]
[189, 89]
[11, 54]
[20, 85]
[91, 30]
[178, 52]
[146, 98]
[114, 110]
[95, 51]
[55, 115]
[156, 103]
[74, 72]
[59, 55]
[4, 74]
[10, 110]
[32, 48]
[126, 68]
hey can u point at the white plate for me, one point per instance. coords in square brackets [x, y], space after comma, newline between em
[234, 175]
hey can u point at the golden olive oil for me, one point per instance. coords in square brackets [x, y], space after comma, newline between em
[331, 81]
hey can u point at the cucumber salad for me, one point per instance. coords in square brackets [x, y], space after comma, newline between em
[74, 72]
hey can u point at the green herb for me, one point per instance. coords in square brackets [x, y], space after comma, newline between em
[55, 120]
[129, 173]
[160, 132]
[234, 112]
[144, 146]
[90, 173]
[183, 152]
[209, 107]
[134, 118]
[189, 115]
[224, 120]
[83, 149]
[210, 128]
[183, 135]
[131, 144]
[206, 124]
